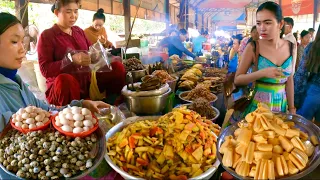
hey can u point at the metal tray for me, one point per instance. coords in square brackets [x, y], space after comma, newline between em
[301, 123]
[99, 150]
[206, 175]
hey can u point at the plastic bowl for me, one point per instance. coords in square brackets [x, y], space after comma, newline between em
[301, 123]
[25, 131]
[74, 135]
[185, 93]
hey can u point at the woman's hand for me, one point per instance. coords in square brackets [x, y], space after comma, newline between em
[94, 106]
[271, 72]
[102, 39]
[81, 58]
[292, 110]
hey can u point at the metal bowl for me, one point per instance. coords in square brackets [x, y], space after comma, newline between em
[185, 93]
[138, 74]
[215, 109]
[99, 152]
[147, 104]
[206, 175]
[173, 83]
[301, 123]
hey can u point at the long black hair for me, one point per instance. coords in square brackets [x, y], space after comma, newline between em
[272, 7]
[313, 62]
[99, 15]
[7, 20]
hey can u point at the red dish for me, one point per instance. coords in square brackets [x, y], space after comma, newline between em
[74, 135]
[25, 131]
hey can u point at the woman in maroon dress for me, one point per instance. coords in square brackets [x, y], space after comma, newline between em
[64, 81]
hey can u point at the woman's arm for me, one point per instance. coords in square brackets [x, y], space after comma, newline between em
[242, 78]
[290, 94]
[48, 66]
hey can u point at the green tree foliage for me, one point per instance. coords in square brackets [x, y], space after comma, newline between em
[7, 6]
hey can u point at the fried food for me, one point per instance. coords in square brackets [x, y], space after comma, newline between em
[163, 76]
[275, 144]
[133, 64]
[202, 107]
[149, 83]
[200, 91]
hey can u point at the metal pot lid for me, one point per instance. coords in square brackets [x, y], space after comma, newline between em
[126, 92]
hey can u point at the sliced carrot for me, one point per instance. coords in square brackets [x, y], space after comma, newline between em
[142, 162]
[122, 159]
[123, 143]
[132, 142]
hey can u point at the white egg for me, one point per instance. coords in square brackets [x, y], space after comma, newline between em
[47, 114]
[33, 115]
[31, 126]
[85, 111]
[66, 110]
[38, 124]
[87, 123]
[18, 124]
[69, 116]
[78, 117]
[64, 121]
[18, 118]
[76, 111]
[24, 122]
[25, 115]
[86, 129]
[25, 126]
[30, 121]
[66, 128]
[21, 111]
[39, 117]
[36, 110]
[88, 117]
[57, 118]
[61, 115]
[14, 120]
[71, 123]
[29, 109]
[58, 123]
[94, 121]
[74, 107]
[45, 120]
[78, 124]
[14, 115]
[77, 130]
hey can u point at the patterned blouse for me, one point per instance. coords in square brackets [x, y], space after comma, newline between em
[301, 78]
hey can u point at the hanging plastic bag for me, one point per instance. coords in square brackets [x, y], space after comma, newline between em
[99, 58]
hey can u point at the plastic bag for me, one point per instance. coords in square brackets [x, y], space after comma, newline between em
[98, 57]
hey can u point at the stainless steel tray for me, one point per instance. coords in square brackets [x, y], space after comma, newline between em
[206, 175]
[301, 123]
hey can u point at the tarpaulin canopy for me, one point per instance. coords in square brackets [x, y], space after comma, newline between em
[297, 7]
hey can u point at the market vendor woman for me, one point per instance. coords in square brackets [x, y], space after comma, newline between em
[96, 31]
[14, 94]
[60, 59]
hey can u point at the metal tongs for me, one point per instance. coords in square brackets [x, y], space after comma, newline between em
[130, 81]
